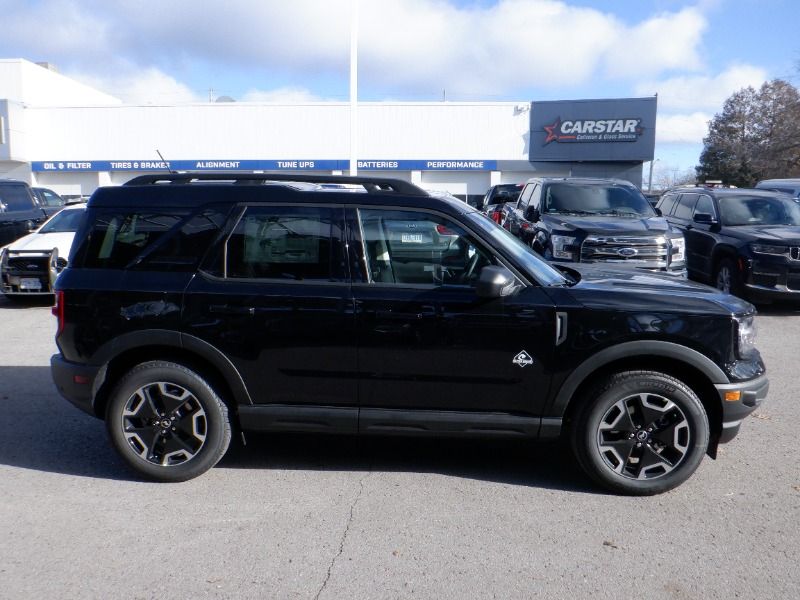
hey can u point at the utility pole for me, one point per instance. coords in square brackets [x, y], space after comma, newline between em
[354, 88]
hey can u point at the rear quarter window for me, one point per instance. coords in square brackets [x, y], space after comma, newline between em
[150, 241]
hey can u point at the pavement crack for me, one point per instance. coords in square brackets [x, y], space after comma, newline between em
[344, 536]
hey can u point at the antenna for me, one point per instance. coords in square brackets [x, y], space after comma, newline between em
[169, 169]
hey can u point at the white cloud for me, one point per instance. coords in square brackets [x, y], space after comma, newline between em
[667, 41]
[148, 86]
[702, 92]
[287, 95]
[406, 47]
[684, 129]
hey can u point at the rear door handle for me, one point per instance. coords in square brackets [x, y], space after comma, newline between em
[226, 309]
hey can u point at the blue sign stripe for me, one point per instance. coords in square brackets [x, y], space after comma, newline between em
[261, 165]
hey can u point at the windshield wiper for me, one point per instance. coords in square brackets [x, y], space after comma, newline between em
[621, 213]
[570, 212]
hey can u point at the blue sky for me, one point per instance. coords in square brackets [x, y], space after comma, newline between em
[692, 53]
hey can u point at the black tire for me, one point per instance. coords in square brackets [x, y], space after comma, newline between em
[655, 448]
[167, 422]
[726, 277]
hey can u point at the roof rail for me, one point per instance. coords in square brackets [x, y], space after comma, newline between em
[373, 185]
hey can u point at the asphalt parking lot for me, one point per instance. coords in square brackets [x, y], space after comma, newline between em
[300, 517]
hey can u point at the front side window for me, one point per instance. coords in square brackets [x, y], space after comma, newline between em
[287, 242]
[758, 210]
[705, 206]
[419, 248]
[51, 198]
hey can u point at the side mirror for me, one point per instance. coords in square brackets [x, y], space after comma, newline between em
[532, 214]
[495, 282]
[704, 218]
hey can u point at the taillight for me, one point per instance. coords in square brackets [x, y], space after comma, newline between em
[497, 216]
[58, 311]
[443, 230]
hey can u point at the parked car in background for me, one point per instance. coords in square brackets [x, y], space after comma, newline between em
[787, 186]
[591, 220]
[496, 197]
[743, 241]
[48, 199]
[193, 309]
[29, 266]
[20, 210]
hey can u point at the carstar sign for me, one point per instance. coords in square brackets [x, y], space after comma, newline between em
[591, 130]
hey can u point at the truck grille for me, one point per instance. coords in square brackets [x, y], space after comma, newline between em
[28, 264]
[634, 250]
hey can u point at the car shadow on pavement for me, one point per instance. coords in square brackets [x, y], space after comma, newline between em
[26, 302]
[516, 462]
[779, 309]
[41, 431]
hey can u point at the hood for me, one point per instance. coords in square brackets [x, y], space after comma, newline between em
[45, 242]
[786, 234]
[601, 286]
[607, 225]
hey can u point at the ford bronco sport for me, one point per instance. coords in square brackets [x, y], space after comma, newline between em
[195, 305]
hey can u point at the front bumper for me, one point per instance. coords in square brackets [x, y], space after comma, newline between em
[739, 400]
[76, 382]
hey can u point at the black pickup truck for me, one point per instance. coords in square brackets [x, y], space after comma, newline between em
[592, 220]
[20, 210]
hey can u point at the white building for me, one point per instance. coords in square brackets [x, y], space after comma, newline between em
[61, 134]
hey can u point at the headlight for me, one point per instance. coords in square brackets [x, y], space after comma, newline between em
[678, 250]
[746, 334]
[563, 246]
[769, 249]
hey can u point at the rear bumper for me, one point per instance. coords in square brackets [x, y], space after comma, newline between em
[739, 400]
[76, 382]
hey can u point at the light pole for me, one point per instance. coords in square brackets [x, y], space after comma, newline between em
[650, 178]
[354, 89]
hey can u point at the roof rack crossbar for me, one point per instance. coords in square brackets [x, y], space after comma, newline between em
[373, 185]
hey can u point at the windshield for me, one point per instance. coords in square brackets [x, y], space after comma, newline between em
[64, 221]
[536, 266]
[758, 210]
[596, 199]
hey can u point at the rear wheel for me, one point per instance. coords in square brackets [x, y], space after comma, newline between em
[640, 433]
[167, 423]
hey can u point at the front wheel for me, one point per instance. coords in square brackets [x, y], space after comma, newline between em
[726, 277]
[167, 422]
[640, 433]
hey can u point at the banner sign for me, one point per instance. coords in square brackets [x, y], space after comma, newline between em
[261, 165]
[593, 130]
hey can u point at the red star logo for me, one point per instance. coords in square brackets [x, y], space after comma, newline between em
[552, 131]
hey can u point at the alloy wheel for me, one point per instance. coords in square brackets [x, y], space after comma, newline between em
[643, 436]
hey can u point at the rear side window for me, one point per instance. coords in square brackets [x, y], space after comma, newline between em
[287, 242]
[666, 203]
[685, 206]
[185, 245]
[15, 198]
[117, 239]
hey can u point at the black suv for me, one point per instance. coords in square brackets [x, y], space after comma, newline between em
[746, 242]
[20, 210]
[595, 220]
[195, 305]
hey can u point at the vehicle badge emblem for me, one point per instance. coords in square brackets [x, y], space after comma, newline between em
[627, 252]
[523, 359]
